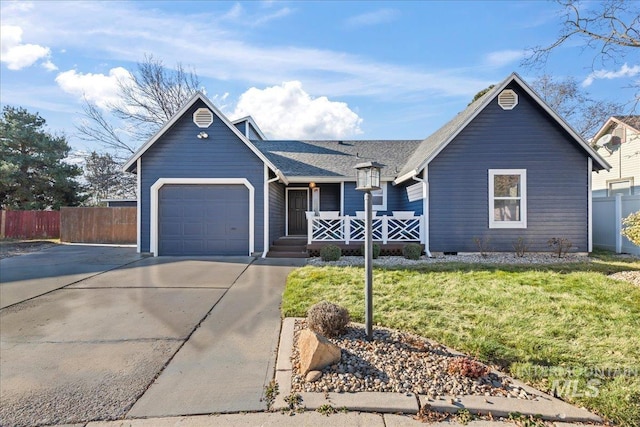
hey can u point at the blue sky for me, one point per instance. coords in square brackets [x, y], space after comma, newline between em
[362, 70]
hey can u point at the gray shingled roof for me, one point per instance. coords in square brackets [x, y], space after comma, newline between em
[633, 121]
[434, 141]
[335, 158]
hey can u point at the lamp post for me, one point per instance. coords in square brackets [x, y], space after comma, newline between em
[367, 180]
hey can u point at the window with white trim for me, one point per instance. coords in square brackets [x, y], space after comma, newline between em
[379, 198]
[507, 198]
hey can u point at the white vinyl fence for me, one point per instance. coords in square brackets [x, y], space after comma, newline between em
[608, 213]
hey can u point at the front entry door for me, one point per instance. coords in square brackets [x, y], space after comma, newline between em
[298, 205]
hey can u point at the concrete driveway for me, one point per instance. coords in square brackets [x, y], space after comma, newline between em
[150, 337]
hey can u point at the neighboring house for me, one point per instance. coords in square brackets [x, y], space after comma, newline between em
[505, 167]
[120, 203]
[618, 142]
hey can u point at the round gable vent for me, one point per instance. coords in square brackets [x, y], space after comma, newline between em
[203, 117]
[508, 99]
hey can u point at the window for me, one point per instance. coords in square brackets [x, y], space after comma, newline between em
[379, 198]
[507, 198]
[620, 186]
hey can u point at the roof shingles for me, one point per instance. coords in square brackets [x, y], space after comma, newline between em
[337, 159]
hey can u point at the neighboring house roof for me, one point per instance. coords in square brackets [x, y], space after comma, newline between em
[335, 159]
[630, 121]
[436, 142]
[130, 166]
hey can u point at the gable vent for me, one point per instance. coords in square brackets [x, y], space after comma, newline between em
[508, 99]
[203, 117]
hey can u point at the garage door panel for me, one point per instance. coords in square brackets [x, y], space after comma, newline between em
[209, 219]
[168, 210]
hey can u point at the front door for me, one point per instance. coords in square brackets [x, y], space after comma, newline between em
[298, 205]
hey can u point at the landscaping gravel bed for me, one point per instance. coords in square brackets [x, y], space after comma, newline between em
[628, 276]
[397, 362]
[493, 258]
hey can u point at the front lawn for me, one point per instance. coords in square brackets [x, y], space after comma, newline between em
[566, 327]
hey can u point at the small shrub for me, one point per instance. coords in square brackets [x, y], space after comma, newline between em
[376, 250]
[559, 245]
[467, 367]
[520, 246]
[483, 245]
[631, 229]
[330, 253]
[412, 251]
[328, 319]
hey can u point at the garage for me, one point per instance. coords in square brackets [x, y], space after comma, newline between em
[203, 219]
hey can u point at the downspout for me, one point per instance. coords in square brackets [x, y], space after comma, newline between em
[267, 181]
[425, 208]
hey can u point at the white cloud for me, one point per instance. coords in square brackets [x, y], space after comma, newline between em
[503, 57]
[372, 18]
[624, 71]
[49, 66]
[99, 89]
[287, 111]
[18, 55]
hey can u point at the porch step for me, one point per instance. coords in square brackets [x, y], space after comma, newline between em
[289, 247]
[281, 254]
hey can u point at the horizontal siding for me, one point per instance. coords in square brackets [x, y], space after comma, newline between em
[180, 154]
[276, 211]
[522, 138]
[625, 163]
[329, 197]
[397, 199]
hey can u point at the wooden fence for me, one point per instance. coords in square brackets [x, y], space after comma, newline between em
[30, 224]
[98, 225]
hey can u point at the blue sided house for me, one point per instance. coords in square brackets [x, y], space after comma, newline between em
[506, 167]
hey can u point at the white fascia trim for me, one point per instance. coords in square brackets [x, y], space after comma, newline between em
[155, 189]
[252, 122]
[405, 177]
[197, 96]
[589, 206]
[286, 205]
[523, 199]
[139, 204]
[496, 91]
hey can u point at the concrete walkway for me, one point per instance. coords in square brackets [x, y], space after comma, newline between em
[82, 340]
[226, 363]
[28, 276]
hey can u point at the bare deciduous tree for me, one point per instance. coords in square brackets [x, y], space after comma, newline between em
[148, 98]
[611, 30]
[575, 105]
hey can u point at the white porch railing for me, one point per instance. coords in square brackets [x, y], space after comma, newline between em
[351, 229]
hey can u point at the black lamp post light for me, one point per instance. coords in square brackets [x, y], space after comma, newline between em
[368, 180]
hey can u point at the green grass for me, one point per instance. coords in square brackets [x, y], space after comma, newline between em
[535, 322]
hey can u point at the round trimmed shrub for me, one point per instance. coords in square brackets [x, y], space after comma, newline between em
[412, 251]
[328, 319]
[330, 253]
[376, 250]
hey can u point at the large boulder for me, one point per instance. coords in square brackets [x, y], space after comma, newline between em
[316, 352]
